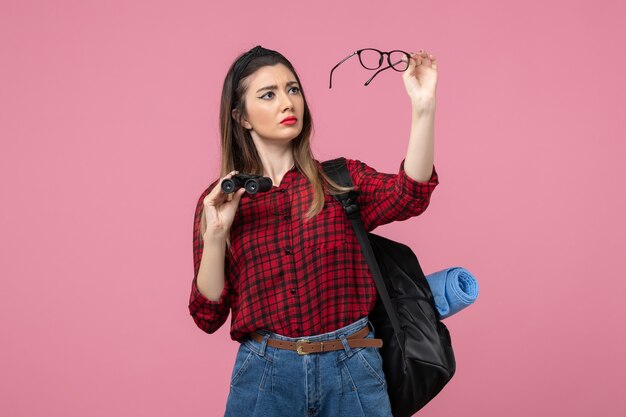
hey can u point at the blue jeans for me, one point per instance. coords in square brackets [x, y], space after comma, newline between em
[273, 382]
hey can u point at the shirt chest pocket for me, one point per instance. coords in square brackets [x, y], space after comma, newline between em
[329, 228]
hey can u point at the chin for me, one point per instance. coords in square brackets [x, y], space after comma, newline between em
[292, 135]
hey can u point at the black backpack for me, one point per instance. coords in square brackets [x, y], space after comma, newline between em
[418, 360]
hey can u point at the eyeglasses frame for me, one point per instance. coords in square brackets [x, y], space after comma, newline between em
[382, 57]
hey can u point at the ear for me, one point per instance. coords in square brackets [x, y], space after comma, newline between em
[235, 114]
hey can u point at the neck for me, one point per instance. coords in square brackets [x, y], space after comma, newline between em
[275, 167]
[276, 158]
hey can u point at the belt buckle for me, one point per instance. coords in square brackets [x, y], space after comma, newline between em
[299, 347]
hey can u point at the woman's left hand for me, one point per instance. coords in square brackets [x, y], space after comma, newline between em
[420, 78]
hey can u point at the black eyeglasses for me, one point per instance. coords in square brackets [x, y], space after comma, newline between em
[372, 59]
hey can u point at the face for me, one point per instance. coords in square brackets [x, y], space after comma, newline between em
[272, 95]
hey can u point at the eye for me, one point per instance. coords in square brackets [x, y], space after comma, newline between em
[270, 92]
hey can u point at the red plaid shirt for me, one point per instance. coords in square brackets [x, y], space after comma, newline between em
[296, 278]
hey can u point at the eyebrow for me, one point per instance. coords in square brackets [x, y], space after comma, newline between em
[273, 87]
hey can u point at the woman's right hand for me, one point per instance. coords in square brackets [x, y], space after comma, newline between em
[220, 208]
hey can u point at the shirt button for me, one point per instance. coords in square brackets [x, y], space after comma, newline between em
[287, 252]
[293, 291]
[282, 190]
[287, 217]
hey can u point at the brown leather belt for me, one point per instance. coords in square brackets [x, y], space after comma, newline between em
[304, 347]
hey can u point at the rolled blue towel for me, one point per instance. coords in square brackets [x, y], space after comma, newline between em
[453, 289]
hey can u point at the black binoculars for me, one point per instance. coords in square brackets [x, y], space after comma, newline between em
[252, 183]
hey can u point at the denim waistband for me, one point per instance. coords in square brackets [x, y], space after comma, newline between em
[343, 331]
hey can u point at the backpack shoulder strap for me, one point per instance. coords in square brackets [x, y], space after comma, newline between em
[338, 171]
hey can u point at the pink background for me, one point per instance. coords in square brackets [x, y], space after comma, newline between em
[108, 121]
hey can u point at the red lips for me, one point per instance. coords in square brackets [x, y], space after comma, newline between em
[289, 120]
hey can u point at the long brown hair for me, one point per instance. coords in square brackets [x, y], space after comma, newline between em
[238, 151]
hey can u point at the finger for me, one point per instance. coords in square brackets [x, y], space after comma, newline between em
[240, 192]
[236, 196]
[228, 176]
[433, 61]
[418, 58]
[411, 66]
[217, 193]
[425, 54]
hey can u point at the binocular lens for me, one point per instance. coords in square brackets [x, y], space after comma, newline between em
[252, 186]
[259, 185]
[228, 186]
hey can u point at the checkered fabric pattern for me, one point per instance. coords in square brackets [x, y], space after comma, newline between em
[301, 278]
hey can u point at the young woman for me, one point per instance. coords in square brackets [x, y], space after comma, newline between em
[286, 262]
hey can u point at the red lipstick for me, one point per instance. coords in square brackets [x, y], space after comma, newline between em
[289, 120]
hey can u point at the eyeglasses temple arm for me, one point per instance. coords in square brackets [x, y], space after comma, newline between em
[341, 62]
[376, 73]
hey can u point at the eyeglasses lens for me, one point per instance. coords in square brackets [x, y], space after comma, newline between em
[398, 60]
[370, 59]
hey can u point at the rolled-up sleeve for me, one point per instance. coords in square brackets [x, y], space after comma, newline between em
[208, 315]
[385, 198]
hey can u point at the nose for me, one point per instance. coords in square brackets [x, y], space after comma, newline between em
[286, 101]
